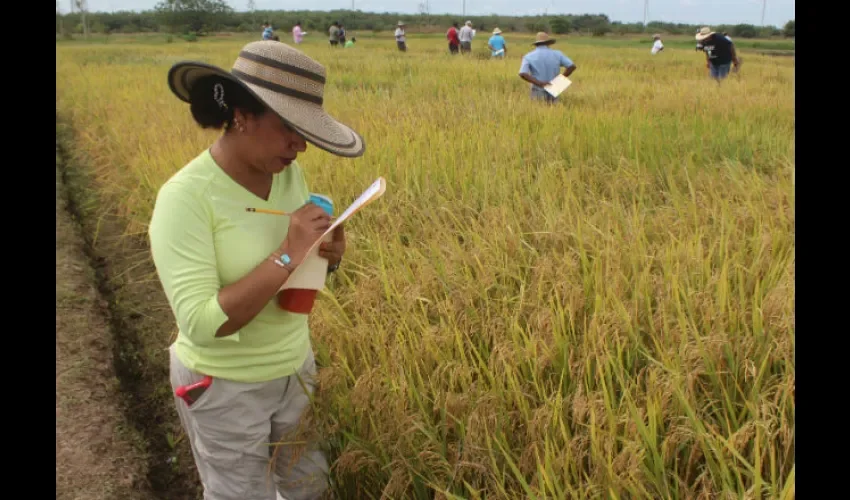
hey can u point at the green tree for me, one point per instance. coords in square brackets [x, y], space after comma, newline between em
[788, 30]
[536, 25]
[744, 31]
[561, 25]
[193, 16]
[81, 7]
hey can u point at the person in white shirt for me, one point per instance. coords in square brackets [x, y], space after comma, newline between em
[399, 37]
[657, 46]
[465, 36]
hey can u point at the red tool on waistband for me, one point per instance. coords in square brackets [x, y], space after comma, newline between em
[190, 393]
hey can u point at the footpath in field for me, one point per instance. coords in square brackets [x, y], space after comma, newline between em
[114, 407]
[98, 456]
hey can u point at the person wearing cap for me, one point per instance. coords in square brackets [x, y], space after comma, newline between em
[400, 39]
[333, 34]
[465, 36]
[496, 43]
[242, 368]
[720, 53]
[657, 46]
[542, 65]
[452, 37]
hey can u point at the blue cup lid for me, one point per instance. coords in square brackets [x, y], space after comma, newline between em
[322, 201]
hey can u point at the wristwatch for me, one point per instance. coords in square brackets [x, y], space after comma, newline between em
[334, 267]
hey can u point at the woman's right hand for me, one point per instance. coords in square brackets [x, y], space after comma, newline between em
[306, 225]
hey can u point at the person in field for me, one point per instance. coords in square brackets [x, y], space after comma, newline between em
[542, 65]
[297, 33]
[242, 367]
[720, 53]
[497, 45]
[342, 35]
[454, 41]
[333, 34]
[349, 44]
[268, 32]
[400, 38]
[465, 36]
[657, 46]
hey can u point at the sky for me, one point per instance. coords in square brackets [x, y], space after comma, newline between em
[706, 12]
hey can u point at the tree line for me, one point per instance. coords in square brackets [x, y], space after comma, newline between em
[200, 17]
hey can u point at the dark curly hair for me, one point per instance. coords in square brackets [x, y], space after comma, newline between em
[207, 97]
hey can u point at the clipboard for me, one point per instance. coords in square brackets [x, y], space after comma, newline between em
[558, 85]
[312, 272]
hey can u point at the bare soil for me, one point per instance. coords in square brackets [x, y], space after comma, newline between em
[98, 456]
[118, 434]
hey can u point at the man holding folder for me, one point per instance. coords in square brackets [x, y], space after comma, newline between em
[497, 45]
[542, 65]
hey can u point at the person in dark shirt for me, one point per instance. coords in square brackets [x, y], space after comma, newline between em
[719, 51]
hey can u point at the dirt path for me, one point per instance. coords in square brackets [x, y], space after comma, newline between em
[98, 456]
[113, 328]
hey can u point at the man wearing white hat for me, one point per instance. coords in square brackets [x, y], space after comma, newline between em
[719, 51]
[657, 46]
[400, 39]
[498, 46]
[465, 35]
[542, 65]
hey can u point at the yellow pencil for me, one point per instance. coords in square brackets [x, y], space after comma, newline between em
[266, 211]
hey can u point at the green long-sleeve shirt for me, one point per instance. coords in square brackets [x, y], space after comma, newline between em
[202, 239]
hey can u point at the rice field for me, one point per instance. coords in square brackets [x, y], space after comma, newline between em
[592, 300]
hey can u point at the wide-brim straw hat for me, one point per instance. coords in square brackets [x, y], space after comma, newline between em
[543, 39]
[656, 36]
[497, 31]
[288, 82]
[401, 23]
[704, 33]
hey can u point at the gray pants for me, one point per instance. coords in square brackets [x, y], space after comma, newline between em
[233, 428]
[542, 96]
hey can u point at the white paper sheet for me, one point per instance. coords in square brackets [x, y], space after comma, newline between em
[372, 193]
[558, 85]
[312, 272]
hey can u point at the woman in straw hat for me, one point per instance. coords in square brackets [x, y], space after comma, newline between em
[542, 65]
[242, 368]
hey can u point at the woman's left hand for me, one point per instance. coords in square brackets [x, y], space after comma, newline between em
[333, 250]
